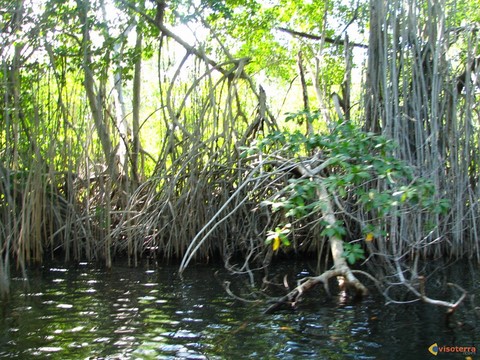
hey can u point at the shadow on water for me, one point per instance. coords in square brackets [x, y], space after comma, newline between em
[85, 312]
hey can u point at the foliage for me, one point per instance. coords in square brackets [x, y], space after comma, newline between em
[353, 165]
[353, 252]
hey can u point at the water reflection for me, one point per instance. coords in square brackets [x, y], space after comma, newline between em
[88, 313]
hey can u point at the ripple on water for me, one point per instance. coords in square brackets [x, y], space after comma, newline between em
[182, 334]
[64, 306]
[49, 349]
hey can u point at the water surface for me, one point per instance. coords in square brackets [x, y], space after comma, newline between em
[86, 312]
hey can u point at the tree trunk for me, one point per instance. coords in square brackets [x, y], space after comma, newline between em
[137, 81]
[95, 98]
[375, 75]
[306, 103]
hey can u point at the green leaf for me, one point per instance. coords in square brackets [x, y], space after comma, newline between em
[351, 258]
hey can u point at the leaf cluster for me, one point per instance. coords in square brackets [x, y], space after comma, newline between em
[278, 236]
[353, 252]
[355, 166]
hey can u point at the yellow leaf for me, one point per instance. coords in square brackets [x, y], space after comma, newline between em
[276, 243]
[369, 237]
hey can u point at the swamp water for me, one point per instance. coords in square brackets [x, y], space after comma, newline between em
[86, 312]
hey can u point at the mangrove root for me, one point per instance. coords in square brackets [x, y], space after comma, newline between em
[346, 279]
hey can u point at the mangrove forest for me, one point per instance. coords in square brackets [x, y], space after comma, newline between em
[244, 132]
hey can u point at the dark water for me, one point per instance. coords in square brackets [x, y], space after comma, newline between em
[85, 312]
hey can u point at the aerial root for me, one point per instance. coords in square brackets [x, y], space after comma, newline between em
[294, 296]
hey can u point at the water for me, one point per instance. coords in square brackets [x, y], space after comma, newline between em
[85, 312]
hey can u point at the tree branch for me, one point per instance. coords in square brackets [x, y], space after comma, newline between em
[327, 39]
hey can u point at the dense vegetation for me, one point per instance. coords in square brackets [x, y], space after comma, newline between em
[240, 129]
